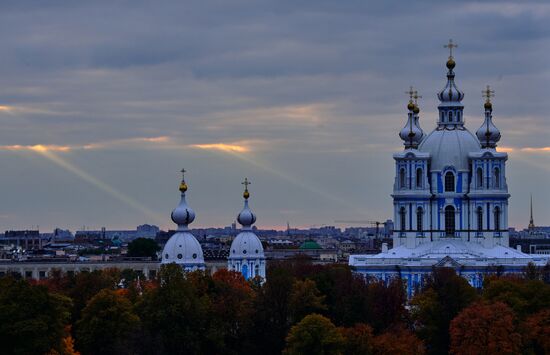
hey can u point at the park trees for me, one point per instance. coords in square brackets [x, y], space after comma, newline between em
[485, 329]
[107, 325]
[315, 334]
[32, 321]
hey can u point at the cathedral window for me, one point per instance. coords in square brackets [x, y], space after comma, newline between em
[497, 218]
[479, 177]
[450, 116]
[496, 176]
[449, 182]
[450, 221]
[479, 219]
[419, 178]
[419, 214]
[402, 178]
[402, 218]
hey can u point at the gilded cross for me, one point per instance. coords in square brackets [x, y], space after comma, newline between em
[183, 171]
[488, 93]
[450, 45]
[416, 97]
[246, 183]
[410, 93]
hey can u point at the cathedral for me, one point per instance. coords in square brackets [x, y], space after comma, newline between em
[450, 198]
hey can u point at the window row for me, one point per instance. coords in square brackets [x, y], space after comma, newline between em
[450, 116]
[450, 220]
[403, 179]
[482, 181]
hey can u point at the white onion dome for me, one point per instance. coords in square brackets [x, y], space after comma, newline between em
[246, 217]
[450, 94]
[488, 134]
[183, 215]
[416, 111]
[411, 134]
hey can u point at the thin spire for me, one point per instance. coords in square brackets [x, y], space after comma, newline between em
[531, 221]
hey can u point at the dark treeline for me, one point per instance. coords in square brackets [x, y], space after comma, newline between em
[301, 309]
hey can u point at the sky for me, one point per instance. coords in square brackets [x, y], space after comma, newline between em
[103, 102]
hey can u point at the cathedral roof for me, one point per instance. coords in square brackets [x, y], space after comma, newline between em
[450, 148]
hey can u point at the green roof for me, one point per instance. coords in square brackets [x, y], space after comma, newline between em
[310, 244]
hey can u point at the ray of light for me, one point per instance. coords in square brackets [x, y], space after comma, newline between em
[100, 185]
[257, 162]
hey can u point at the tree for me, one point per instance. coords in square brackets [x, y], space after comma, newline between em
[107, 325]
[386, 304]
[358, 340]
[444, 296]
[305, 299]
[271, 306]
[536, 332]
[174, 315]
[314, 334]
[398, 341]
[485, 329]
[525, 297]
[32, 321]
[143, 247]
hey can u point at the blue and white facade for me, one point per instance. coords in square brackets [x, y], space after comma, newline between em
[246, 254]
[450, 199]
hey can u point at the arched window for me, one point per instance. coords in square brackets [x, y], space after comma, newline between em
[497, 218]
[419, 178]
[496, 176]
[479, 177]
[480, 219]
[403, 218]
[450, 221]
[419, 214]
[450, 116]
[402, 178]
[449, 181]
[256, 270]
[244, 271]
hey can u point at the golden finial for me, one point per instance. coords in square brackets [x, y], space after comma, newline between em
[487, 94]
[451, 62]
[411, 92]
[246, 194]
[183, 185]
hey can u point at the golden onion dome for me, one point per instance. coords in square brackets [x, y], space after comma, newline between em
[451, 63]
[246, 194]
[416, 109]
[410, 105]
[488, 105]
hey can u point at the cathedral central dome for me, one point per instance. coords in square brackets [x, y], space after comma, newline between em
[450, 148]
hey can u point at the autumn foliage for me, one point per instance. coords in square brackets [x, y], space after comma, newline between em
[302, 308]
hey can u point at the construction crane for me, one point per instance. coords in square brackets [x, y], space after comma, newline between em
[372, 223]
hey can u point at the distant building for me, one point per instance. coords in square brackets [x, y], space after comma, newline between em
[25, 239]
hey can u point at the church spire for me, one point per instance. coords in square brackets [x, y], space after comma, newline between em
[531, 226]
[450, 97]
[411, 134]
[488, 134]
[246, 218]
[183, 215]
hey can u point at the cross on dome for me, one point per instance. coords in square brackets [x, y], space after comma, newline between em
[246, 194]
[416, 97]
[450, 46]
[488, 93]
